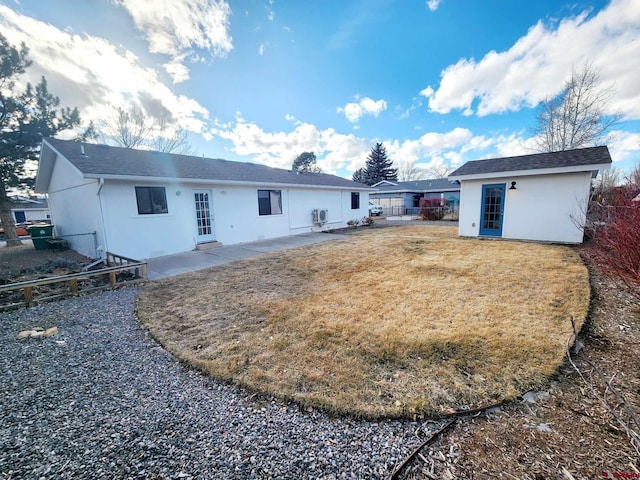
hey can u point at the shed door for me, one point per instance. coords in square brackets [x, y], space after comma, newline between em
[492, 211]
[204, 222]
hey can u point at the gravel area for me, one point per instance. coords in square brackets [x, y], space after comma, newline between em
[103, 400]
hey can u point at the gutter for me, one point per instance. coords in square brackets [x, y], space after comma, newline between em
[211, 181]
[104, 248]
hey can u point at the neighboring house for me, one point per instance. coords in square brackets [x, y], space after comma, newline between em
[26, 209]
[142, 204]
[403, 198]
[540, 197]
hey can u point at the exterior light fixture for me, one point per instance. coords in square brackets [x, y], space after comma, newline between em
[513, 186]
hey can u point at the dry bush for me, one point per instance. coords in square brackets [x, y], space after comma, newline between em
[432, 208]
[385, 322]
[615, 237]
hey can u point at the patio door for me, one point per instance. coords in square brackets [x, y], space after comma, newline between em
[492, 210]
[204, 220]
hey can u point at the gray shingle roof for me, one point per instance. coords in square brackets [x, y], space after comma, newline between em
[568, 158]
[435, 185]
[103, 160]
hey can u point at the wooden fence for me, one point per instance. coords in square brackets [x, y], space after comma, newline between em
[119, 270]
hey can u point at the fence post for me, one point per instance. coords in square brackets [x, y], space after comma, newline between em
[28, 295]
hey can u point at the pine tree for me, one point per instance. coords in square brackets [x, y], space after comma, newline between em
[25, 119]
[359, 176]
[379, 167]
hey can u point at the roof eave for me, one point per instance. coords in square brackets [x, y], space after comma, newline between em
[532, 172]
[212, 181]
[418, 190]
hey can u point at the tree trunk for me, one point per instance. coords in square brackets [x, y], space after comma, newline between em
[6, 217]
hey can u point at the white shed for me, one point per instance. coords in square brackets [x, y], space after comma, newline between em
[541, 196]
[142, 204]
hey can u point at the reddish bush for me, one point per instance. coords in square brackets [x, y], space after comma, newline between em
[615, 243]
[432, 208]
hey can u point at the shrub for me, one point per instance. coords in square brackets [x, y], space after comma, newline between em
[353, 223]
[615, 236]
[366, 221]
[432, 208]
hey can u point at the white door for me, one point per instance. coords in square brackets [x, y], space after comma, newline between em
[204, 220]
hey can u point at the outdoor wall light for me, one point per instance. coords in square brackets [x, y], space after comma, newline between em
[513, 186]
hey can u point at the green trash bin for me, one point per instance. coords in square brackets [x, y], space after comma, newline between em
[40, 235]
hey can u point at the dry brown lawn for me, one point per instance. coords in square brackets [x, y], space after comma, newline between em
[387, 322]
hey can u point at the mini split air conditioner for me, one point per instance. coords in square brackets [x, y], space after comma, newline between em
[320, 216]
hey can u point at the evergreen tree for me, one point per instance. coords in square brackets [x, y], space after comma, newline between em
[25, 119]
[359, 176]
[306, 162]
[379, 167]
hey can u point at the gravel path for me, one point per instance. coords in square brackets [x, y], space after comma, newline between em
[103, 400]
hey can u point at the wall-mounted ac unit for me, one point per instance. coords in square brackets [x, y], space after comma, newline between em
[320, 216]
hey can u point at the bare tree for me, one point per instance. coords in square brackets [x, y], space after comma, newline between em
[408, 171]
[603, 185]
[438, 171]
[576, 117]
[131, 128]
[171, 143]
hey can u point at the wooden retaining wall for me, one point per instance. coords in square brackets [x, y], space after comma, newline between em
[119, 271]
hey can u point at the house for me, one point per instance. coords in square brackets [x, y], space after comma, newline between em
[27, 209]
[541, 197]
[403, 198]
[142, 204]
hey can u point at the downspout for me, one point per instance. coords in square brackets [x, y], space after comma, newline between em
[102, 254]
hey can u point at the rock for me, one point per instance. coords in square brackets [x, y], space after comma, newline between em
[50, 332]
[535, 397]
[544, 427]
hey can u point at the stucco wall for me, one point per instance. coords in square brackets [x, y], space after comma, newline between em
[31, 215]
[235, 215]
[543, 207]
[75, 210]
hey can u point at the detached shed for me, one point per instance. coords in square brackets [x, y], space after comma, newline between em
[541, 197]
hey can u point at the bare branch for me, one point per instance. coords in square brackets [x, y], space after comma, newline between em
[408, 171]
[131, 127]
[576, 118]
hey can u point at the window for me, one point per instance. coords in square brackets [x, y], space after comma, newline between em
[355, 200]
[270, 202]
[151, 200]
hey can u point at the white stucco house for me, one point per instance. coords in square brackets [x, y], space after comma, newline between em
[26, 209]
[542, 197]
[143, 204]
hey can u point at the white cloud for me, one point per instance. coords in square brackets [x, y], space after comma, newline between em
[433, 4]
[624, 145]
[175, 27]
[428, 145]
[365, 106]
[537, 65]
[177, 70]
[334, 150]
[261, 49]
[95, 76]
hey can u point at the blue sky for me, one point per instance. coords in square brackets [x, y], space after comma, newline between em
[438, 82]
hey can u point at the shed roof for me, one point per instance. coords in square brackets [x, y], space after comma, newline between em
[581, 159]
[103, 161]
